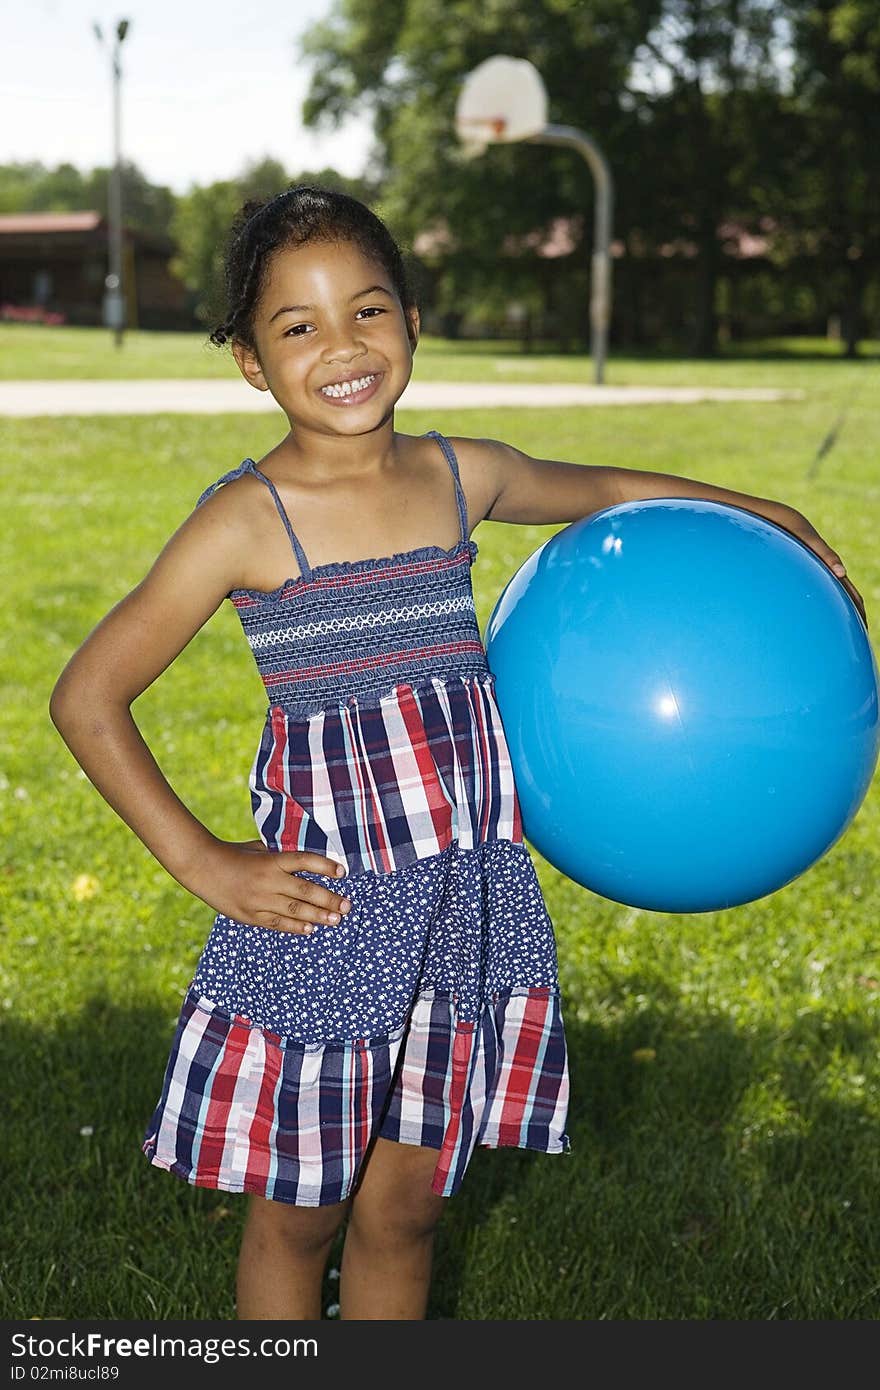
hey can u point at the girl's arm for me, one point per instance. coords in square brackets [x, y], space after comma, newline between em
[91, 708]
[541, 491]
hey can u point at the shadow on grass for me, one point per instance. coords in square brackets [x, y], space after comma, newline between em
[722, 1178]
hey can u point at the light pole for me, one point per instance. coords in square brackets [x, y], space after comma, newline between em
[114, 297]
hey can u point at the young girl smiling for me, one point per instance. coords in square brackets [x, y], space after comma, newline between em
[379, 991]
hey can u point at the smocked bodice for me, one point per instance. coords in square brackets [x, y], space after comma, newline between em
[354, 630]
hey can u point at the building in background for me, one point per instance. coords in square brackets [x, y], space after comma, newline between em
[53, 264]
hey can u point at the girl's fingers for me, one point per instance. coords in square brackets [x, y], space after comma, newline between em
[295, 860]
[806, 532]
[299, 905]
[292, 916]
[314, 893]
[276, 921]
[317, 910]
[302, 914]
[298, 918]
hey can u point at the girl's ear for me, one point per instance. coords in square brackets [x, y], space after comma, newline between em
[413, 324]
[248, 364]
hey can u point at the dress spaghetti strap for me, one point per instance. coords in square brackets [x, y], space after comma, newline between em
[304, 566]
[226, 478]
[248, 466]
[449, 455]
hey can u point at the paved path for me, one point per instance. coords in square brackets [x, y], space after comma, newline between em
[151, 397]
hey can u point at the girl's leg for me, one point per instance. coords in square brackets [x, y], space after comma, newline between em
[283, 1254]
[386, 1261]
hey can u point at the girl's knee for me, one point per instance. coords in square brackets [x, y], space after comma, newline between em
[403, 1212]
[309, 1230]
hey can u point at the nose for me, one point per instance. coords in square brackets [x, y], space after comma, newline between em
[344, 355]
[344, 347]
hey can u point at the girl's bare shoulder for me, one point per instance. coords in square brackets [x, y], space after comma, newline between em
[481, 464]
[228, 531]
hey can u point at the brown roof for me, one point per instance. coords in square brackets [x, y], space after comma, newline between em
[49, 221]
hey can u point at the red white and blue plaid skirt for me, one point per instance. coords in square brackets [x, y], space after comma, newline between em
[430, 1015]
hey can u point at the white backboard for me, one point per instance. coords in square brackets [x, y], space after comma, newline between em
[501, 101]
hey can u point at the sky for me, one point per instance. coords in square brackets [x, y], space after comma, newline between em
[207, 87]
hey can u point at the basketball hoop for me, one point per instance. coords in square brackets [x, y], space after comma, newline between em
[501, 101]
[504, 100]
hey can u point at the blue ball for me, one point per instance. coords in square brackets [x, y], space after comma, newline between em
[690, 699]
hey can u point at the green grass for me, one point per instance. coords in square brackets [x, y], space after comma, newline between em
[35, 353]
[733, 1177]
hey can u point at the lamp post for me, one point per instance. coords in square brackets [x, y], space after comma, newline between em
[114, 297]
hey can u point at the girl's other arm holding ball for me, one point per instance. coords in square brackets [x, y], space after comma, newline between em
[90, 707]
[539, 492]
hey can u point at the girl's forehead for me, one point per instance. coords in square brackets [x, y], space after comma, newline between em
[330, 262]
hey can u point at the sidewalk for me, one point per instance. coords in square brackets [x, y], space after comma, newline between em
[153, 397]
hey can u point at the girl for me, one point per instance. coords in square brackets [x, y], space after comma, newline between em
[378, 992]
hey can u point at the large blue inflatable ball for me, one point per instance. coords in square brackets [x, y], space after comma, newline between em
[691, 703]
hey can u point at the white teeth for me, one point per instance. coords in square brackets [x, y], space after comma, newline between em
[345, 388]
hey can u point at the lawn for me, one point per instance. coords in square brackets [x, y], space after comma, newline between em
[725, 1109]
[36, 353]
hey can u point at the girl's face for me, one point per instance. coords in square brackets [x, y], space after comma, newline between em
[334, 345]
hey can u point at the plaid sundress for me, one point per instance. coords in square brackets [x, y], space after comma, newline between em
[430, 1014]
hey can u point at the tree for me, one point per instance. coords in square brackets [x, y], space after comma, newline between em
[706, 87]
[146, 206]
[16, 184]
[393, 60]
[31, 187]
[684, 96]
[836, 203]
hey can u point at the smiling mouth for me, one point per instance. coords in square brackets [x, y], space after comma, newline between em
[351, 392]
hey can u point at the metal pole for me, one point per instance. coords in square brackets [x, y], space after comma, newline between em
[600, 278]
[114, 297]
[116, 283]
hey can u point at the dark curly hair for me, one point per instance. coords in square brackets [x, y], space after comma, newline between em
[301, 214]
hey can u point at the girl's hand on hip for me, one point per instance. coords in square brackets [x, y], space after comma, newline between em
[263, 888]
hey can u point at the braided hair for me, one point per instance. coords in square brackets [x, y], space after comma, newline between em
[300, 214]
